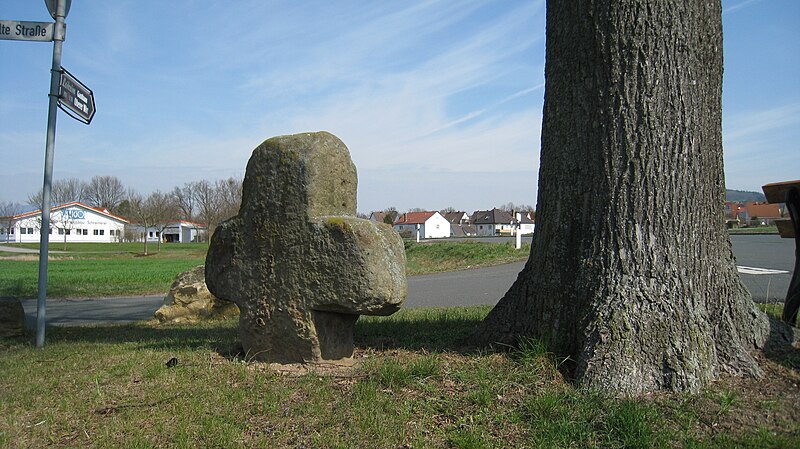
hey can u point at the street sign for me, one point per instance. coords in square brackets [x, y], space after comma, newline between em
[16, 30]
[74, 96]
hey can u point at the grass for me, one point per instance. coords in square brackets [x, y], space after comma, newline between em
[754, 230]
[98, 270]
[103, 270]
[425, 258]
[413, 386]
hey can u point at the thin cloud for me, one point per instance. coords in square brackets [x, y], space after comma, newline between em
[759, 122]
[739, 6]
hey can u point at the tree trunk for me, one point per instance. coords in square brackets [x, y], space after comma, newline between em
[631, 274]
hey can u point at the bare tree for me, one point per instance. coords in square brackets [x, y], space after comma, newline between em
[139, 208]
[64, 220]
[63, 191]
[206, 199]
[104, 192]
[8, 211]
[185, 200]
[163, 211]
[511, 207]
[636, 299]
[229, 195]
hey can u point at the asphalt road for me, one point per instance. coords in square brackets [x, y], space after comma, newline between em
[468, 287]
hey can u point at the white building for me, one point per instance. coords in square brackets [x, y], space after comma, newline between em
[75, 222]
[177, 232]
[432, 225]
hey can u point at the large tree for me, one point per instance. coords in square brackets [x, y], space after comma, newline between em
[105, 192]
[63, 191]
[631, 275]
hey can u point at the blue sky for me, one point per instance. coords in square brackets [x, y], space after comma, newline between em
[439, 102]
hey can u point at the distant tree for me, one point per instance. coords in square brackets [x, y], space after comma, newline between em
[143, 211]
[229, 196]
[391, 215]
[417, 209]
[448, 210]
[104, 192]
[511, 207]
[185, 200]
[65, 220]
[8, 211]
[207, 202]
[164, 212]
[63, 191]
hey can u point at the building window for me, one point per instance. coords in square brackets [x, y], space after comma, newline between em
[30, 231]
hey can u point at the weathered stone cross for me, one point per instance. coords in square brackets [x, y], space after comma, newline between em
[296, 260]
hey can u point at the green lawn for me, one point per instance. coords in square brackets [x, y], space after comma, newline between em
[413, 386]
[99, 270]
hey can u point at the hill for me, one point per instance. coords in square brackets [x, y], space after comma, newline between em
[737, 196]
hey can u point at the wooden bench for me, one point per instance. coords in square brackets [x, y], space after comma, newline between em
[789, 193]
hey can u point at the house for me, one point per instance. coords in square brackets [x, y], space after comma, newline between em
[462, 230]
[493, 222]
[431, 225]
[760, 213]
[752, 213]
[378, 217]
[525, 223]
[71, 222]
[177, 232]
[457, 217]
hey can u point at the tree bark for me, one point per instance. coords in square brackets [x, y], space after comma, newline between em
[631, 274]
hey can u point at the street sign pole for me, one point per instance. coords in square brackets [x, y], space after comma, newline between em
[47, 186]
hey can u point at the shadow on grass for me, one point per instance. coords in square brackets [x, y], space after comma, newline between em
[146, 335]
[780, 347]
[429, 329]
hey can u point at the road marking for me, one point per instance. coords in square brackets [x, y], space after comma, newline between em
[758, 271]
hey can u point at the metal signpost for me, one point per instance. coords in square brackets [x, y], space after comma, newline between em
[65, 92]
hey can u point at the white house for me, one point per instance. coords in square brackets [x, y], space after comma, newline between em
[177, 232]
[432, 225]
[493, 222]
[75, 222]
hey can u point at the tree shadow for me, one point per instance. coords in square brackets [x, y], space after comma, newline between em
[782, 344]
[146, 335]
[433, 330]
[438, 330]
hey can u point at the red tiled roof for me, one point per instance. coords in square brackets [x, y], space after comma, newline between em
[414, 218]
[762, 210]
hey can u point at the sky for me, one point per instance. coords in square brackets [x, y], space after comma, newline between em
[439, 102]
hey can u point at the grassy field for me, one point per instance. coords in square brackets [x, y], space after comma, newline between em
[100, 270]
[97, 270]
[413, 386]
[754, 230]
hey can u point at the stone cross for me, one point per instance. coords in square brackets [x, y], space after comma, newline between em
[296, 260]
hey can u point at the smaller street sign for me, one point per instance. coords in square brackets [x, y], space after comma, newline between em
[74, 96]
[15, 30]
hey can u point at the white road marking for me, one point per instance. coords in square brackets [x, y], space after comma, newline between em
[752, 270]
